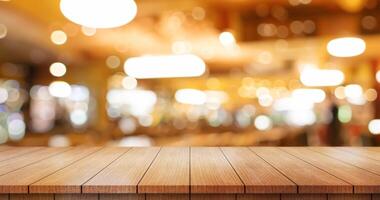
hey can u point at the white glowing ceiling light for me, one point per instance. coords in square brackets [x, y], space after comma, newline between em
[139, 102]
[227, 39]
[57, 69]
[132, 97]
[374, 126]
[99, 13]
[198, 97]
[216, 96]
[300, 117]
[354, 94]
[346, 47]
[263, 122]
[321, 78]
[313, 95]
[292, 103]
[353, 91]
[60, 89]
[169, 66]
[191, 96]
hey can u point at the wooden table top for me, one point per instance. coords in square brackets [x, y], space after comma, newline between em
[195, 170]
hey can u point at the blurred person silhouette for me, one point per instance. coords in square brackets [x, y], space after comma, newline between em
[334, 136]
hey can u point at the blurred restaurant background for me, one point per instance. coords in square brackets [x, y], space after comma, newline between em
[189, 72]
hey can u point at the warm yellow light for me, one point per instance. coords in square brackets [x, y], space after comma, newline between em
[3, 31]
[113, 62]
[227, 39]
[184, 65]
[136, 102]
[129, 83]
[58, 37]
[190, 96]
[199, 97]
[346, 47]
[370, 95]
[339, 92]
[99, 13]
[57, 69]
[265, 100]
[59, 89]
[313, 95]
[319, 78]
[378, 76]
[88, 31]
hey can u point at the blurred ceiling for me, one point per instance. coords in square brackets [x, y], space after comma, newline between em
[161, 23]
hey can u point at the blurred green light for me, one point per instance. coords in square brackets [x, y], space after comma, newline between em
[344, 113]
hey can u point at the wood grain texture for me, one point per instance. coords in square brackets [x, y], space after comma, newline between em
[212, 173]
[191, 173]
[349, 197]
[167, 197]
[362, 180]
[123, 175]
[31, 197]
[4, 196]
[303, 197]
[75, 197]
[258, 197]
[358, 161]
[5, 147]
[71, 178]
[375, 196]
[19, 180]
[27, 159]
[16, 151]
[213, 196]
[169, 172]
[121, 196]
[308, 178]
[371, 148]
[257, 175]
[362, 151]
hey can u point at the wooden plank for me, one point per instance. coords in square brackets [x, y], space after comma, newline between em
[121, 196]
[362, 180]
[371, 148]
[27, 159]
[169, 172]
[257, 175]
[4, 196]
[123, 175]
[258, 197]
[5, 147]
[19, 180]
[363, 152]
[213, 196]
[212, 173]
[167, 197]
[349, 197]
[375, 196]
[308, 178]
[31, 197]
[303, 197]
[358, 161]
[76, 197]
[71, 178]
[17, 151]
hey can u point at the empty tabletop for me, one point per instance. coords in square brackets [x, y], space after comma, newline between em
[181, 172]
